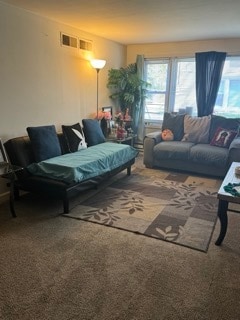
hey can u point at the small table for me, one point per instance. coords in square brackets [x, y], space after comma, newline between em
[224, 199]
[8, 171]
[126, 140]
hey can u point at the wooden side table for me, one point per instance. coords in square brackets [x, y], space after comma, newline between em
[7, 171]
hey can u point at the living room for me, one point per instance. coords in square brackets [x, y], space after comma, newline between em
[44, 82]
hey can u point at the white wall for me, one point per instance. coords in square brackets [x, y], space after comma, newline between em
[42, 82]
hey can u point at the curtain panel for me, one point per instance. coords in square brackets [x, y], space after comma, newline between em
[209, 66]
[138, 116]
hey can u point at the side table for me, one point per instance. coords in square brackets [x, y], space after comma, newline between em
[127, 140]
[224, 198]
[7, 171]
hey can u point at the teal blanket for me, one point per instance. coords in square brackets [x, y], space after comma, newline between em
[86, 163]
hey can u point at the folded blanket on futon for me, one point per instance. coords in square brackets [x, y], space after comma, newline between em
[86, 163]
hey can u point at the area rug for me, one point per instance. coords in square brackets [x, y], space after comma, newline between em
[174, 207]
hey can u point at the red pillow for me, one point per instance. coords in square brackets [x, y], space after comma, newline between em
[223, 138]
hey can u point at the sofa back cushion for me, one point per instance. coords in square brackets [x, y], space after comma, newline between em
[174, 123]
[222, 122]
[19, 151]
[196, 129]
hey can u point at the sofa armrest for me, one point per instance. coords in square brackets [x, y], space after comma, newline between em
[150, 141]
[234, 151]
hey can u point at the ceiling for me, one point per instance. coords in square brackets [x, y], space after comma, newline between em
[143, 21]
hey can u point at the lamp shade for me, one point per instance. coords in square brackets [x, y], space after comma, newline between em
[98, 64]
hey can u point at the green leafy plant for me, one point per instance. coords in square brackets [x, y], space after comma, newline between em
[126, 88]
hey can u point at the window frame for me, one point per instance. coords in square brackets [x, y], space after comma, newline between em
[171, 86]
[171, 83]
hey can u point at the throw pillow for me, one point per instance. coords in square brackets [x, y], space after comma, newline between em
[196, 129]
[75, 137]
[223, 138]
[44, 141]
[167, 135]
[174, 123]
[222, 122]
[93, 132]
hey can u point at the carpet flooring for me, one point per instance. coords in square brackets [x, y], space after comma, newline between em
[175, 207]
[54, 268]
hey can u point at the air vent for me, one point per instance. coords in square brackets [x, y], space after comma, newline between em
[69, 41]
[85, 45]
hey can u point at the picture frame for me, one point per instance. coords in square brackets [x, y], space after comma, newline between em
[3, 155]
[107, 109]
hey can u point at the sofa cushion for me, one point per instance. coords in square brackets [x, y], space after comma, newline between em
[75, 137]
[174, 123]
[93, 132]
[172, 150]
[223, 138]
[222, 122]
[44, 142]
[196, 129]
[205, 154]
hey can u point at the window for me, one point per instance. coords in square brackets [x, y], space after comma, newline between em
[173, 88]
[157, 73]
[185, 92]
[228, 98]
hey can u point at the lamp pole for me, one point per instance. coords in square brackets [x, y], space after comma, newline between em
[97, 90]
[97, 65]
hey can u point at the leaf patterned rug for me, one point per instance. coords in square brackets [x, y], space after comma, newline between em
[169, 206]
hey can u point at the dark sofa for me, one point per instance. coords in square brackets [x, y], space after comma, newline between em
[20, 152]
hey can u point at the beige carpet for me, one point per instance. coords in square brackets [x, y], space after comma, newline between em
[175, 207]
[52, 268]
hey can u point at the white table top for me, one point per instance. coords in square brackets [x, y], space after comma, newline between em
[230, 177]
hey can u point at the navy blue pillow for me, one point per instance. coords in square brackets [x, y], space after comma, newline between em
[44, 142]
[93, 132]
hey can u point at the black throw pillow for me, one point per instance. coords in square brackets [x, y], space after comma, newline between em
[75, 137]
[175, 123]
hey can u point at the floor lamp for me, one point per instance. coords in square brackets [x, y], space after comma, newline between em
[97, 65]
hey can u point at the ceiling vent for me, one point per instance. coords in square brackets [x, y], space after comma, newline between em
[69, 41]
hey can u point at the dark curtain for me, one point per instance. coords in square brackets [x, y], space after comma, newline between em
[209, 66]
[138, 115]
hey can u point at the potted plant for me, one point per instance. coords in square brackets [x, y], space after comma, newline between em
[126, 88]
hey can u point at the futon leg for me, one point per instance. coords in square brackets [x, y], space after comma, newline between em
[129, 171]
[66, 205]
[16, 193]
